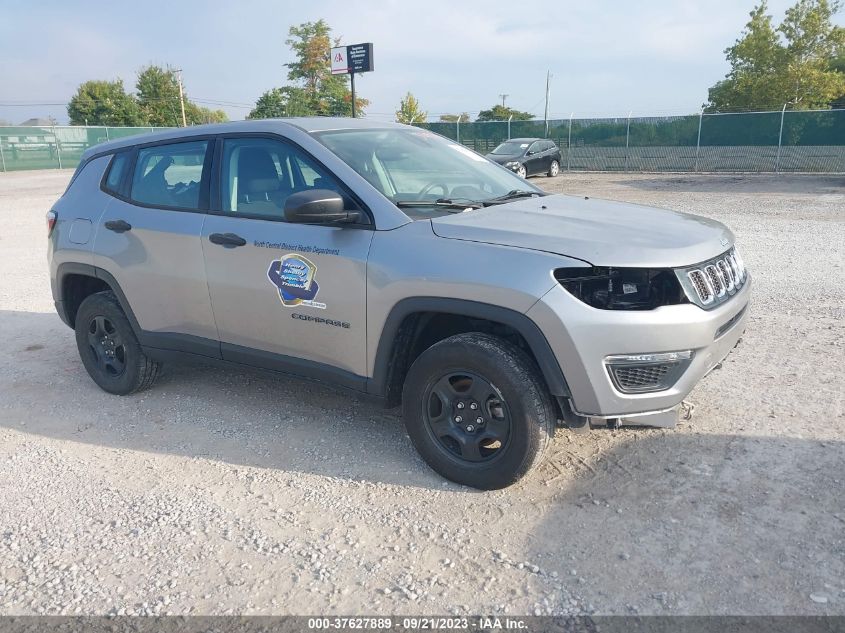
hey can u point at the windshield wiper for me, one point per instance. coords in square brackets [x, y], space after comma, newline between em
[443, 203]
[512, 195]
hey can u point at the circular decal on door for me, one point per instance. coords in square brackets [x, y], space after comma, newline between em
[294, 278]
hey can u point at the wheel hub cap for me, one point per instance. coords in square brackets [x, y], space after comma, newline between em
[468, 416]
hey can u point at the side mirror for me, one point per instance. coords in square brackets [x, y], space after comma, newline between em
[530, 152]
[318, 206]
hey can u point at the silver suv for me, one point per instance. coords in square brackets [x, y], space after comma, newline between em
[396, 263]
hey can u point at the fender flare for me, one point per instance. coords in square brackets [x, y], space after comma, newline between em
[89, 270]
[530, 331]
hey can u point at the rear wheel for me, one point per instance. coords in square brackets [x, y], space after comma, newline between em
[554, 169]
[109, 349]
[476, 410]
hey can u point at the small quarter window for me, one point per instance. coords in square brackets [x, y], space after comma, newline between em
[117, 170]
[169, 175]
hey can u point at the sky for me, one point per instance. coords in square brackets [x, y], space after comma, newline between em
[652, 57]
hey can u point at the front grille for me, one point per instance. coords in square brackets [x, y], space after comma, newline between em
[713, 282]
[641, 378]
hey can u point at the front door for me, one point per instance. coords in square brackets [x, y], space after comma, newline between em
[285, 296]
[534, 158]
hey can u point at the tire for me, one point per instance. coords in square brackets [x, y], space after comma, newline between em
[554, 169]
[458, 371]
[522, 172]
[109, 349]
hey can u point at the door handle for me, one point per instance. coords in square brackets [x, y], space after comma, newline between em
[229, 240]
[118, 226]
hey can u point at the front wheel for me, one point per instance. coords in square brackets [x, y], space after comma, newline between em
[521, 171]
[476, 409]
[554, 169]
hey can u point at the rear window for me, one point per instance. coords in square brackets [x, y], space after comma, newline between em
[117, 170]
[169, 175]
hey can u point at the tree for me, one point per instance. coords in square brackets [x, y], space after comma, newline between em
[409, 111]
[838, 65]
[280, 102]
[103, 103]
[197, 115]
[501, 113]
[463, 117]
[158, 96]
[325, 94]
[790, 63]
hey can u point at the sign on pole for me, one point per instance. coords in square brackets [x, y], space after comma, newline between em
[352, 59]
[355, 58]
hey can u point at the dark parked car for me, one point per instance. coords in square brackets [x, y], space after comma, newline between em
[528, 156]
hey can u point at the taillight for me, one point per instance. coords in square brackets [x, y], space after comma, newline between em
[51, 222]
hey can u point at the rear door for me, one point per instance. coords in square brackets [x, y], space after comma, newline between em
[285, 296]
[149, 237]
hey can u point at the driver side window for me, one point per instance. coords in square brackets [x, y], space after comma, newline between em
[259, 174]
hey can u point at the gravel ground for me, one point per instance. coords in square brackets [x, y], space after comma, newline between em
[219, 492]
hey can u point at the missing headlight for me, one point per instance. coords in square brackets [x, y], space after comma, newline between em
[622, 288]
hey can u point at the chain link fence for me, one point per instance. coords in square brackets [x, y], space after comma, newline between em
[54, 147]
[800, 141]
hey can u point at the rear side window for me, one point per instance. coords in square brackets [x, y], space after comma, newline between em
[170, 175]
[117, 170]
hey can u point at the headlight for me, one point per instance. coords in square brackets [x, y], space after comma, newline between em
[622, 288]
[513, 163]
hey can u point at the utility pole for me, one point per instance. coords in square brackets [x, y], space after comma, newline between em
[181, 96]
[546, 113]
[504, 96]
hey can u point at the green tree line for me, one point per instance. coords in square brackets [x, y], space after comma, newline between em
[155, 102]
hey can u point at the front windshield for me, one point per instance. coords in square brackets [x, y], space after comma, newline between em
[510, 148]
[417, 168]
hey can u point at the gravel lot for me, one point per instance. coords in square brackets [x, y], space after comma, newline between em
[224, 493]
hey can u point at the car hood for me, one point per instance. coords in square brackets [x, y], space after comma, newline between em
[600, 232]
[502, 159]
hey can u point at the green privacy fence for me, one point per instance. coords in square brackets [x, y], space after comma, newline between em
[802, 141]
[54, 147]
[798, 141]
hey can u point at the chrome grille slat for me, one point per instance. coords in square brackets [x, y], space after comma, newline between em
[727, 276]
[715, 280]
[702, 287]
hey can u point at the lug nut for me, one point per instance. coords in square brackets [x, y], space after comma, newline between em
[458, 419]
[460, 405]
[470, 428]
[473, 406]
[479, 420]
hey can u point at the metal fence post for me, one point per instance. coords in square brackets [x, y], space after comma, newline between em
[509, 126]
[698, 141]
[107, 133]
[458, 129]
[58, 147]
[569, 145]
[780, 138]
[2, 157]
[627, 139]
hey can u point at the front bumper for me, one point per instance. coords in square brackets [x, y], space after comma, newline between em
[582, 337]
